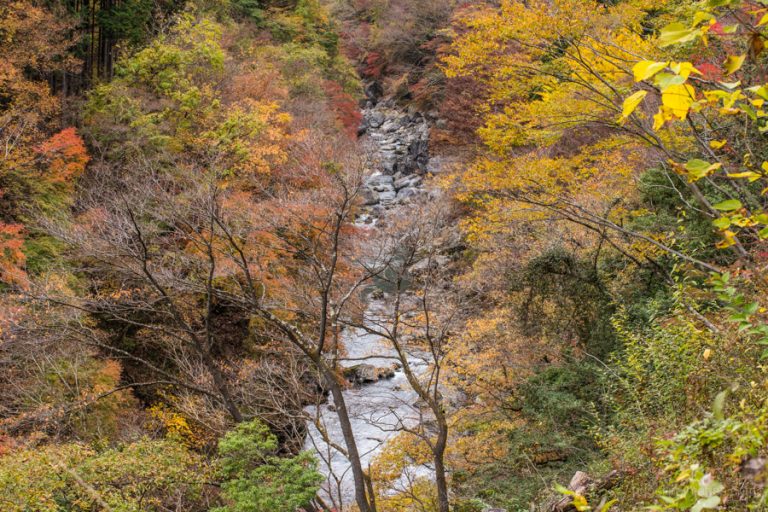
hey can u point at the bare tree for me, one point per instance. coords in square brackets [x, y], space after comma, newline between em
[422, 310]
[172, 258]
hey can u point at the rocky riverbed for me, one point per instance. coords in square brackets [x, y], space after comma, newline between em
[399, 143]
[379, 400]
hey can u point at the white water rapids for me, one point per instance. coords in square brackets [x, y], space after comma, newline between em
[377, 411]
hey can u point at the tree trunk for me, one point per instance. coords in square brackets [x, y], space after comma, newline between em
[220, 383]
[349, 440]
[438, 454]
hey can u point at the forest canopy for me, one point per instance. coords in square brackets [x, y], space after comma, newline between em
[381, 255]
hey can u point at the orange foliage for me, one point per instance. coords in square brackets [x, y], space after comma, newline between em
[66, 155]
[12, 258]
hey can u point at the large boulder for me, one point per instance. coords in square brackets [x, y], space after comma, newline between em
[387, 196]
[373, 91]
[375, 119]
[411, 180]
[367, 373]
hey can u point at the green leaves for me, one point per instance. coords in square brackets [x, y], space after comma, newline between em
[706, 503]
[698, 169]
[579, 502]
[257, 479]
[728, 205]
[719, 405]
[709, 488]
[143, 476]
[700, 491]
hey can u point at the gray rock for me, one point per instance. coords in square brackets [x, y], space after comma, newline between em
[367, 373]
[389, 126]
[379, 179]
[408, 181]
[376, 119]
[387, 196]
[388, 166]
[373, 91]
[406, 193]
[386, 154]
[370, 197]
[383, 188]
[361, 373]
[438, 261]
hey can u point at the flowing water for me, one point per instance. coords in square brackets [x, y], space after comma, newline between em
[380, 409]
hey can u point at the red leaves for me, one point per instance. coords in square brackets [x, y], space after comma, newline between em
[374, 65]
[345, 107]
[710, 71]
[66, 155]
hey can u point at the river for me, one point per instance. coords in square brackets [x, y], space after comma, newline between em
[378, 410]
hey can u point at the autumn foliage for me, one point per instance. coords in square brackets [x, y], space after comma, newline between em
[581, 289]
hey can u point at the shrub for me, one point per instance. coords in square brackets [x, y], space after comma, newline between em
[257, 479]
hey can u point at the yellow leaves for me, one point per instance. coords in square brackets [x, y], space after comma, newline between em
[631, 103]
[176, 425]
[684, 69]
[645, 69]
[733, 63]
[697, 169]
[676, 102]
[578, 501]
[717, 144]
[678, 99]
[677, 33]
[749, 175]
[729, 239]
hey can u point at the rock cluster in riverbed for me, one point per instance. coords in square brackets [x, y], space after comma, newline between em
[400, 148]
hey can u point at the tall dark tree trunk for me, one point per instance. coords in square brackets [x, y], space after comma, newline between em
[361, 496]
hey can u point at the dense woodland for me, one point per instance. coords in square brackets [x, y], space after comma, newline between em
[585, 269]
